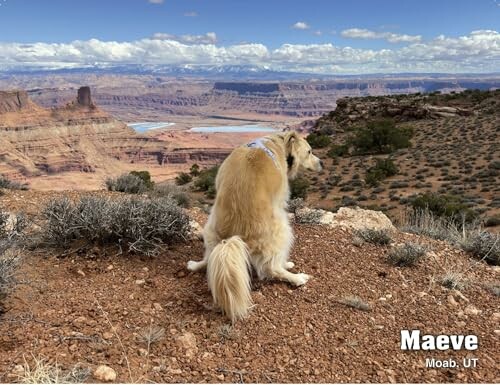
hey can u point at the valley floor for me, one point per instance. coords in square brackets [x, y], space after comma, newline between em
[89, 307]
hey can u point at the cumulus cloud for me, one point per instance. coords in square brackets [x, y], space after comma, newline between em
[478, 51]
[208, 38]
[155, 1]
[191, 14]
[361, 33]
[300, 25]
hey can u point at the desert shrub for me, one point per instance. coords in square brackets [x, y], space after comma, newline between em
[11, 232]
[407, 254]
[377, 237]
[11, 185]
[318, 140]
[194, 170]
[308, 216]
[338, 150]
[183, 178]
[492, 221]
[206, 181]
[295, 204]
[443, 205]
[127, 183]
[483, 245]
[141, 225]
[146, 178]
[168, 190]
[380, 137]
[299, 187]
[382, 169]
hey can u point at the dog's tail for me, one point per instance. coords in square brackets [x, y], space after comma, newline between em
[229, 277]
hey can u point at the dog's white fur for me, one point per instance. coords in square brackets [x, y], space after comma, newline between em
[248, 224]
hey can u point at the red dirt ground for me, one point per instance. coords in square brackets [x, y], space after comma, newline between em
[89, 307]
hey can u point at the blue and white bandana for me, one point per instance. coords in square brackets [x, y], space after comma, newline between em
[259, 143]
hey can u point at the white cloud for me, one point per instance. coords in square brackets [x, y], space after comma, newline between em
[208, 38]
[478, 51]
[155, 1]
[318, 33]
[301, 25]
[361, 33]
[191, 14]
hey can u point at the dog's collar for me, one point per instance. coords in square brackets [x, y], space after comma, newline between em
[259, 143]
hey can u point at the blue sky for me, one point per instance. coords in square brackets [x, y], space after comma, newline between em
[351, 36]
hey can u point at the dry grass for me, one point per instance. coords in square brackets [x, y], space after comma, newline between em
[453, 280]
[355, 302]
[43, 372]
[151, 335]
[407, 254]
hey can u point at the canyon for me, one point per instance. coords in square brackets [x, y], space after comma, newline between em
[79, 145]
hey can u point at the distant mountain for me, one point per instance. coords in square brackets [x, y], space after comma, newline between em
[230, 72]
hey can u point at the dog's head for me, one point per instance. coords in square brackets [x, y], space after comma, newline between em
[299, 155]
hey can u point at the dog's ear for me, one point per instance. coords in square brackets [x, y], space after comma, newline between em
[290, 139]
[290, 160]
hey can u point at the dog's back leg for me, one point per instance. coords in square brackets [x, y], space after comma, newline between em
[210, 239]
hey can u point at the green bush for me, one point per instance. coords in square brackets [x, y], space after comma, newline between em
[382, 169]
[194, 170]
[8, 184]
[492, 221]
[444, 205]
[380, 137]
[318, 140]
[146, 178]
[183, 178]
[299, 187]
[206, 181]
[338, 150]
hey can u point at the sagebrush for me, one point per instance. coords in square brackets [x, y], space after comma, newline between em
[141, 225]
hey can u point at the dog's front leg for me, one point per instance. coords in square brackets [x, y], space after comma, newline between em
[289, 265]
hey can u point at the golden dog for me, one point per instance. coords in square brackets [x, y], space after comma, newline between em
[248, 224]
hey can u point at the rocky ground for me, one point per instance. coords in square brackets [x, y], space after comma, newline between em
[90, 307]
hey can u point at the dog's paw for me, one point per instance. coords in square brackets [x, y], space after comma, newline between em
[301, 279]
[289, 265]
[192, 266]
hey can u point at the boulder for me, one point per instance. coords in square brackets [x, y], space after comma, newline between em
[349, 218]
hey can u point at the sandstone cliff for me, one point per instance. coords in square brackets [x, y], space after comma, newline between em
[79, 137]
[76, 137]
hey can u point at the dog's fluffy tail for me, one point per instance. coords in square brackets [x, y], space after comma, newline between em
[229, 277]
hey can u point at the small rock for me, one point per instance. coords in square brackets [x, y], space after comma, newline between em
[80, 272]
[187, 342]
[220, 377]
[181, 274]
[495, 316]
[110, 267]
[18, 370]
[142, 352]
[104, 373]
[157, 306]
[452, 301]
[107, 335]
[497, 332]
[461, 324]
[472, 310]
[174, 371]
[140, 282]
